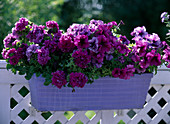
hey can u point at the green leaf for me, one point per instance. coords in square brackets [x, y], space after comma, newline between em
[8, 66]
[28, 77]
[47, 82]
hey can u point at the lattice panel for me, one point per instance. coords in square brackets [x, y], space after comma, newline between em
[155, 111]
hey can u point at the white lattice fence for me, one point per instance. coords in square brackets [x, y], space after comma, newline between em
[15, 90]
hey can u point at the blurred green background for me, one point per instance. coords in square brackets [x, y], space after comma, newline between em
[65, 12]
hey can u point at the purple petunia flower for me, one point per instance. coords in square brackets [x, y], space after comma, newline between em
[144, 63]
[139, 31]
[37, 33]
[66, 44]
[10, 53]
[21, 51]
[123, 73]
[81, 58]
[4, 51]
[116, 72]
[51, 45]
[122, 48]
[8, 41]
[164, 17]
[141, 47]
[93, 46]
[166, 56]
[109, 57]
[59, 79]
[124, 40]
[99, 57]
[19, 26]
[43, 56]
[13, 60]
[94, 24]
[31, 50]
[81, 41]
[121, 59]
[154, 58]
[104, 44]
[79, 29]
[52, 24]
[78, 79]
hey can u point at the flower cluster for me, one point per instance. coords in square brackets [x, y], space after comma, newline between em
[83, 53]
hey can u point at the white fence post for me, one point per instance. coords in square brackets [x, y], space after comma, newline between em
[5, 103]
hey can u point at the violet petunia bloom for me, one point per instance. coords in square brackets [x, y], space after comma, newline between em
[52, 24]
[78, 79]
[31, 50]
[154, 41]
[9, 40]
[11, 54]
[166, 56]
[79, 29]
[94, 24]
[104, 44]
[81, 41]
[81, 58]
[124, 40]
[122, 48]
[154, 58]
[144, 63]
[93, 46]
[21, 51]
[66, 44]
[109, 57]
[51, 45]
[164, 17]
[43, 56]
[37, 33]
[121, 59]
[21, 24]
[141, 47]
[139, 31]
[123, 74]
[116, 72]
[59, 79]
[130, 70]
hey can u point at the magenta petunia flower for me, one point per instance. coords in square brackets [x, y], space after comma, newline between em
[154, 58]
[166, 56]
[43, 56]
[124, 40]
[21, 25]
[81, 58]
[116, 72]
[144, 63]
[9, 40]
[13, 60]
[52, 24]
[141, 47]
[78, 79]
[93, 46]
[66, 44]
[139, 31]
[99, 57]
[10, 53]
[51, 45]
[123, 74]
[81, 41]
[37, 33]
[104, 44]
[59, 79]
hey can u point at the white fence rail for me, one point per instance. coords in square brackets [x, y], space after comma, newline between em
[15, 105]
